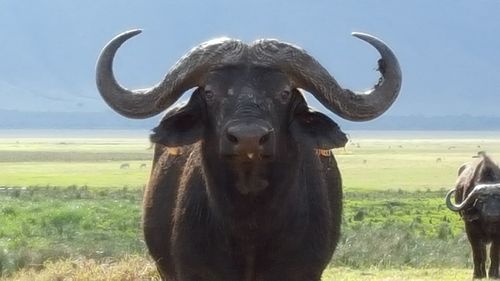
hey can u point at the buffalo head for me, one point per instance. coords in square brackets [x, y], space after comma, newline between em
[247, 107]
[484, 197]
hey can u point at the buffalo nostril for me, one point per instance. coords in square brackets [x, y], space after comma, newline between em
[232, 138]
[264, 138]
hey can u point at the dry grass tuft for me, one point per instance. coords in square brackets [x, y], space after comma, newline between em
[130, 268]
[139, 268]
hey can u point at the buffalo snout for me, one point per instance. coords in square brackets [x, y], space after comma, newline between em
[248, 140]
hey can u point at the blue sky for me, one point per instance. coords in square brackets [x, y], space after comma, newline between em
[448, 50]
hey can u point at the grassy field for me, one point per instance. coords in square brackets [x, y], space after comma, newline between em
[367, 163]
[74, 202]
[93, 162]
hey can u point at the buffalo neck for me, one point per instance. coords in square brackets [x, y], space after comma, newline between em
[284, 179]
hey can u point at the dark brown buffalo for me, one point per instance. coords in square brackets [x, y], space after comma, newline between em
[477, 194]
[243, 184]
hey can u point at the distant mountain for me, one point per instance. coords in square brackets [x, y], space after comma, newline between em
[10, 119]
[428, 123]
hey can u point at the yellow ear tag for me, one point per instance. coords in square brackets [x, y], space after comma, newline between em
[174, 150]
[324, 152]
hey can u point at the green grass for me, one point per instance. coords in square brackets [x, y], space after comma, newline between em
[381, 229]
[39, 224]
[424, 211]
[81, 207]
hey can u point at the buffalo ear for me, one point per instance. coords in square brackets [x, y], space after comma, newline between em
[181, 125]
[316, 129]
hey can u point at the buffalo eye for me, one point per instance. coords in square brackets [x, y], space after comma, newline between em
[209, 95]
[284, 96]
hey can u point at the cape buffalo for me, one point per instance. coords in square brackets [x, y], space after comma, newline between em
[243, 183]
[477, 193]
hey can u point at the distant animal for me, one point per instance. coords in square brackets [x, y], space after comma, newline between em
[244, 185]
[477, 197]
[143, 165]
[479, 154]
[451, 147]
[365, 161]
[125, 166]
[439, 160]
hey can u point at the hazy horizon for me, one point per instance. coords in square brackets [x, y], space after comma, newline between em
[448, 50]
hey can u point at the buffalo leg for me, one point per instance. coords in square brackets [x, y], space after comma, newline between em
[479, 256]
[494, 258]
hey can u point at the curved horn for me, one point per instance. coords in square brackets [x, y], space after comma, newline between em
[478, 190]
[308, 74]
[450, 205]
[185, 74]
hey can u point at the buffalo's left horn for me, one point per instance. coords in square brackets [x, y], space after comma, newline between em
[308, 74]
[185, 74]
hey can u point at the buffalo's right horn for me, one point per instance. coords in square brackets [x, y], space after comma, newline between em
[185, 74]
